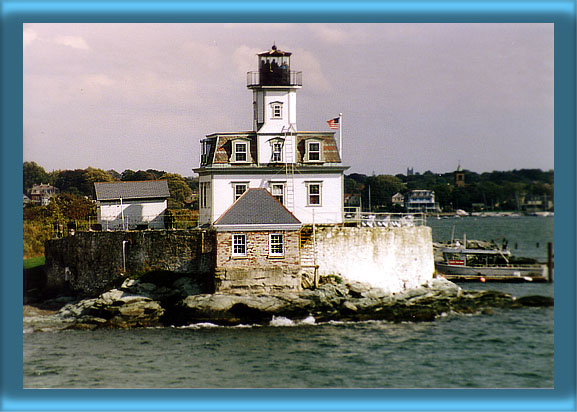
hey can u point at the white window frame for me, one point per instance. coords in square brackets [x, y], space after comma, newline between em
[236, 152]
[239, 244]
[276, 110]
[274, 152]
[318, 152]
[276, 241]
[235, 193]
[319, 194]
[281, 185]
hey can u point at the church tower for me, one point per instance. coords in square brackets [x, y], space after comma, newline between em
[459, 177]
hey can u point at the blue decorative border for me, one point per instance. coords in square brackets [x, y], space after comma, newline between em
[15, 13]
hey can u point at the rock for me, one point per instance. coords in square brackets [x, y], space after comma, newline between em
[141, 303]
[535, 301]
[349, 307]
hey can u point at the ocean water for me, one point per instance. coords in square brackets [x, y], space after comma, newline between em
[508, 348]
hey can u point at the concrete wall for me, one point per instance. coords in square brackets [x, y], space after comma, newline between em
[390, 258]
[93, 262]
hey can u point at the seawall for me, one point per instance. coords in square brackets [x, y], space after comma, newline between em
[393, 259]
[93, 262]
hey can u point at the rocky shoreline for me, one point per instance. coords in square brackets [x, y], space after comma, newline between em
[139, 303]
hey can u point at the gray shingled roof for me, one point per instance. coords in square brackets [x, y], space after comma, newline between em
[257, 207]
[146, 189]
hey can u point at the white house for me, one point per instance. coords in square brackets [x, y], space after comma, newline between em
[303, 170]
[420, 200]
[127, 205]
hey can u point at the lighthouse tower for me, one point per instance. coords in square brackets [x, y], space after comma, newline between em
[274, 101]
[301, 169]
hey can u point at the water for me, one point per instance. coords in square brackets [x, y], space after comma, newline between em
[510, 348]
[527, 236]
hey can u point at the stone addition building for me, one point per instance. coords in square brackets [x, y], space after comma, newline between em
[302, 170]
[130, 205]
[257, 245]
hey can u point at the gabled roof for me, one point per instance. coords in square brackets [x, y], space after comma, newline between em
[146, 189]
[257, 209]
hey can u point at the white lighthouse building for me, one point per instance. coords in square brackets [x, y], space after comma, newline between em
[302, 170]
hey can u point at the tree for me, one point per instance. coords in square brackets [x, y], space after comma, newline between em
[72, 181]
[33, 174]
[180, 192]
[68, 206]
[91, 176]
[131, 175]
[382, 188]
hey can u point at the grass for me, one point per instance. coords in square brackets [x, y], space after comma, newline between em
[34, 262]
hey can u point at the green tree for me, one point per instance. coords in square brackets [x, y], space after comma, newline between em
[180, 192]
[381, 188]
[33, 174]
[73, 207]
[131, 175]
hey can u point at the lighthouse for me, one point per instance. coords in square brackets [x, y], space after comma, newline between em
[301, 169]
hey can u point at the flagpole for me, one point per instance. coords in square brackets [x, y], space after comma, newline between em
[341, 135]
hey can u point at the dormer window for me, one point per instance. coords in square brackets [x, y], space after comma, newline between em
[240, 151]
[204, 152]
[276, 152]
[313, 151]
[276, 110]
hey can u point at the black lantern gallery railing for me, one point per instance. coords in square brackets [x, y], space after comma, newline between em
[274, 78]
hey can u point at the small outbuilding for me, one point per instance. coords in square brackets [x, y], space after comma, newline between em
[132, 205]
[257, 242]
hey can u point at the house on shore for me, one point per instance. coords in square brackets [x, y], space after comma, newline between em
[132, 204]
[42, 194]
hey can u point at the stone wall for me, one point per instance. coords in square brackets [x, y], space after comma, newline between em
[393, 259]
[257, 271]
[93, 262]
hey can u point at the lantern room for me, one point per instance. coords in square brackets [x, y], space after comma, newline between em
[274, 70]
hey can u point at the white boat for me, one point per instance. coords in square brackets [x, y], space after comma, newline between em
[461, 263]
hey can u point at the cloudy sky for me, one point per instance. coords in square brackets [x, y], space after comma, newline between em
[426, 96]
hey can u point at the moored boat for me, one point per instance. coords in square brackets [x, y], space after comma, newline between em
[460, 263]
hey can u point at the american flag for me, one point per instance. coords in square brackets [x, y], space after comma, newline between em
[333, 123]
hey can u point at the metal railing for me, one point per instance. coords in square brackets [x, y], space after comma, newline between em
[286, 78]
[370, 219]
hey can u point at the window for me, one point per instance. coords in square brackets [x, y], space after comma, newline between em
[276, 110]
[276, 152]
[239, 189]
[313, 194]
[276, 244]
[313, 151]
[204, 190]
[240, 152]
[204, 152]
[277, 190]
[239, 245]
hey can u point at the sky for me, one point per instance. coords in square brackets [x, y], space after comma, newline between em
[422, 96]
